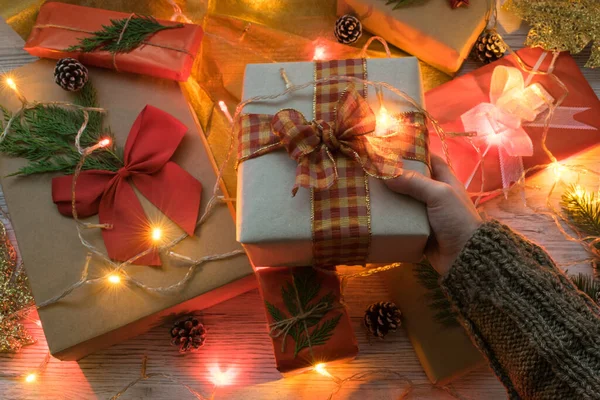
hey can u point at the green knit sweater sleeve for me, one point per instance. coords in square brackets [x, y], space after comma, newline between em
[540, 335]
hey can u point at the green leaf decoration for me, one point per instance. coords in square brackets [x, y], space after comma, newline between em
[588, 285]
[428, 277]
[138, 30]
[583, 210]
[308, 287]
[45, 136]
[563, 25]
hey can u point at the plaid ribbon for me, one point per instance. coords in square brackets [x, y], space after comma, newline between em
[336, 152]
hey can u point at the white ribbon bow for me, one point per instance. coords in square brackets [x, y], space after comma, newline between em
[500, 122]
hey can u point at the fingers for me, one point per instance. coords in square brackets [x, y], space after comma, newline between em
[443, 173]
[419, 187]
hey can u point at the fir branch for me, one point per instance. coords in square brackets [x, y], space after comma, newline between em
[274, 312]
[428, 277]
[138, 30]
[588, 285]
[45, 136]
[583, 209]
[319, 336]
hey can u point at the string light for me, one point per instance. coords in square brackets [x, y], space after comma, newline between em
[557, 169]
[30, 378]
[115, 279]
[225, 110]
[157, 234]
[320, 52]
[11, 84]
[221, 378]
[385, 122]
[104, 142]
[320, 368]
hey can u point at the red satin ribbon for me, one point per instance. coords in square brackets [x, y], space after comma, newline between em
[153, 139]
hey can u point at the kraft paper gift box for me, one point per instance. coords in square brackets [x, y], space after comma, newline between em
[445, 352]
[275, 227]
[330, 330]
[166, 54]
[95, 316]
[575, 125]
[430, 30]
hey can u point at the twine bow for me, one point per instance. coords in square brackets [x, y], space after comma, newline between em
[283, 327]
[152, 141]
[316, 145]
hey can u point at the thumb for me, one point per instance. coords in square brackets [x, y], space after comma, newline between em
[421, 188]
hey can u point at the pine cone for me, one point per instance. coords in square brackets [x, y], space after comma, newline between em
[70, 74]
[382, 317]
[189, 334]
[348, 29]
[489, 47]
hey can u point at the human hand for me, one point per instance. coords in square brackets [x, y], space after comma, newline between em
[452, 215]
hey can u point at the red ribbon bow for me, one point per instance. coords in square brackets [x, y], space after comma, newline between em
[152, 141]
[318, 145]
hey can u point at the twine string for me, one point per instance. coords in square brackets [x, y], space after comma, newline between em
[282, 328]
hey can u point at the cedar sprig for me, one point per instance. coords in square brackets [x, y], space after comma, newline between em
[138, 30]
[308, 287]
[583, 209]
[45, 136]
[429, 278]
[588, 285]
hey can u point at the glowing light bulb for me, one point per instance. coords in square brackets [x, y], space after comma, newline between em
[579, 192]
[319, 53]
[31, 378]
[385, 122]
[157, 234]
[225, 110]
[557, 169]
[115, 279]
[221, 378]
[11, 84]
[104, 142]
[320, 368]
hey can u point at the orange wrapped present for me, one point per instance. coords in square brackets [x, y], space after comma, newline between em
[129, 42]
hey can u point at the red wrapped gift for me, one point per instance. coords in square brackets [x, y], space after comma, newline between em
[168, 53]
[507, 108]
[307, 323]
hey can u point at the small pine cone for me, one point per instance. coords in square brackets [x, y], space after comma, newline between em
[70, 74]
[188, 334]
[489, 47]
[348, 29]
[382, 317]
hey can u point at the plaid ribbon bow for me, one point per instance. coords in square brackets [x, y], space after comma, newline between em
[335, 153]
[317, 144]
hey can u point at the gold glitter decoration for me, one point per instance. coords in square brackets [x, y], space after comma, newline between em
[563, 25]
[15, 296]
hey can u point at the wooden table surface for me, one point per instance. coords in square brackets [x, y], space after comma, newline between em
[238, 340]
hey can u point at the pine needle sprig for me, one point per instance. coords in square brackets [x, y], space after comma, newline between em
[138, 30]
[582, 209]
[308, 287]
[588, 285]
[45, 136]
[428, 277]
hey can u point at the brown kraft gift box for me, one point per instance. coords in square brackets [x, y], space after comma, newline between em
[96, 316]
[446, 353]
[314, 288]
